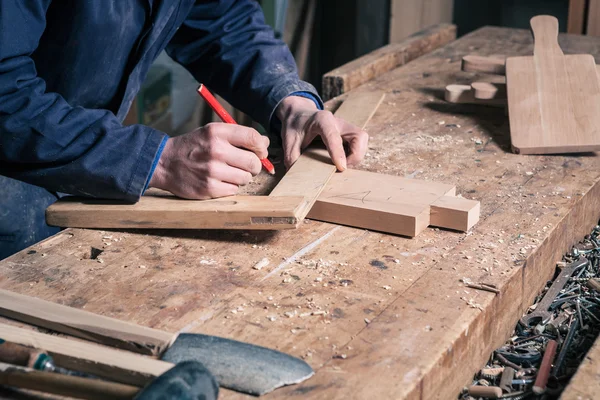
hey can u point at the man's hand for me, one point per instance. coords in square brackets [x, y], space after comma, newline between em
[302, 122]
[212, 161]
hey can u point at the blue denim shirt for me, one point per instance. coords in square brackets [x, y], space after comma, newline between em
[70, 69]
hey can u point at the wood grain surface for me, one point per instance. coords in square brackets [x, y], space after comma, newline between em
[169, 212]
[371, 326]
[553, 100]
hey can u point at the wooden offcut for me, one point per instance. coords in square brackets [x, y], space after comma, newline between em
[353, 74]
[553, 99]
[105, 362]
[85, 325]
[393, 204]
[170, 212]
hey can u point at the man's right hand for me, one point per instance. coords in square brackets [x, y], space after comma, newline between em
[211, 161]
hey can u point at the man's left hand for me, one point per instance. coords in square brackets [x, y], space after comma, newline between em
[302, 122]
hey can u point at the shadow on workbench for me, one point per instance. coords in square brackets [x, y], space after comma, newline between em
[214, 235]
[492, 121]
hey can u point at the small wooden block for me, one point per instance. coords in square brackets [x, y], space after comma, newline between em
[454, 213]
[410, 220]
[169, 212]
[488, 65]
[465, 94]
[489, 90]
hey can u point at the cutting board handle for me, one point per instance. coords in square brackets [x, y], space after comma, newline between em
[545, 36]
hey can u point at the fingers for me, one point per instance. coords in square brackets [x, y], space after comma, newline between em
[246, 138]
[292, 148]
[228, 174]
[357, 140]
[324, 124]
[217, 188]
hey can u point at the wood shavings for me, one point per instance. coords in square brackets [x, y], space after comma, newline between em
[471, 303]
[261, 264]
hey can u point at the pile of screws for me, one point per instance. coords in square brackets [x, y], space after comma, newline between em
[550, 341]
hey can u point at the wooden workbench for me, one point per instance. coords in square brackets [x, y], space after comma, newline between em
[398, 322]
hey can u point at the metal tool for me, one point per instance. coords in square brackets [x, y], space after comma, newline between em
[64, 385]
[238, 366]
[542, 313]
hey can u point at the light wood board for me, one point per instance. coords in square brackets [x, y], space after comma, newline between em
[553, 100]
[169, 212]
[313, 169]
[105, 362]
[83, 324]
[393, 204]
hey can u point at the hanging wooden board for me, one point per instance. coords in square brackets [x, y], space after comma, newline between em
[553, 99]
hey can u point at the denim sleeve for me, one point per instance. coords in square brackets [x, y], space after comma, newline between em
[227, 45]
[47, 142]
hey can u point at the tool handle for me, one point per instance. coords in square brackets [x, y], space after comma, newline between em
[17, 354]
[545, 36]
[539, 387]
[64, 385]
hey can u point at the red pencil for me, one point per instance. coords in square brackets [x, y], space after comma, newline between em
[225, 117]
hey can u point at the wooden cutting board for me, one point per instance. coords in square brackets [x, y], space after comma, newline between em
[553, 99]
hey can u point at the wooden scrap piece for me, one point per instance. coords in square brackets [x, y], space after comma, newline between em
[85, 325]
[454, 213]
[353, 74]
[235, 212]
[105, 362]
[393, 204]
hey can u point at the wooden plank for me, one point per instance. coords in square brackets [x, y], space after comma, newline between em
[454, 213]
[593, 21]
[353, 74]
[105, 362]
[553, 100]
[575, 19]
[379, 202]
[311, 172]
[392, 204]
[169, 212]
[85, 325]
